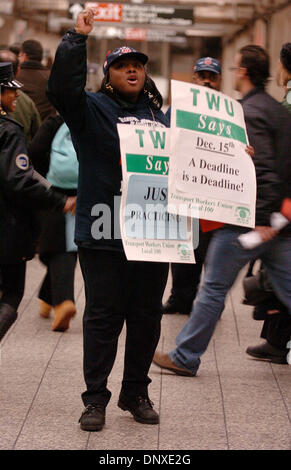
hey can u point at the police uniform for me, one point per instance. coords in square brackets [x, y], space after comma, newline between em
[22, 192]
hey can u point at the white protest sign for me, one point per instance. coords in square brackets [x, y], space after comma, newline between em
[210, 169]
[148, 231]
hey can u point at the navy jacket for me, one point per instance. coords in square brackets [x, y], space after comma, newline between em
[92, 119]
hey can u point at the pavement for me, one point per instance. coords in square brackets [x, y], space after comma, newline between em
[234, 403]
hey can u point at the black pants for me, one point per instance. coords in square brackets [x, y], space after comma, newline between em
[277, 327]
[58, 283]
[186, 277]
[277, 330]
[12, 282]
[118, 290]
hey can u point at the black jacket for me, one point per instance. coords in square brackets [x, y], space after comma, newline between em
[53, 224]
[40, 147]
[92, 119]
[21, 193]
[34, 76]
[269, 131]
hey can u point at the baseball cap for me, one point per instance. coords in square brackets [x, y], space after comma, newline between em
[7, 76]
[112, 56]
[207, 63]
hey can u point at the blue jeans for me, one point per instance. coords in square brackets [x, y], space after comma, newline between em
[225, 258]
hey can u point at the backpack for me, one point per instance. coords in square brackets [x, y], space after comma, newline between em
[64, 166]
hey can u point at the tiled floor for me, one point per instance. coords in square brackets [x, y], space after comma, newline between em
[234, 402]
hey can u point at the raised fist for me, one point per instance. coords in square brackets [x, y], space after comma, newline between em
[85, 21]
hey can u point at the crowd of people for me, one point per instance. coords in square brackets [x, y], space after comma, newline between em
[60, 157]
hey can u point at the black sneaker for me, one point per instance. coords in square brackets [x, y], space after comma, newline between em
[267, 352]
[171, 306]
[140, 407]
[92, 418]
[7, 317]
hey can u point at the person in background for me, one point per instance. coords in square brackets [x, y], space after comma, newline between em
[25, 111]
[22, 191]
[34, 76]
[276, 329]
[116, 290]
[271, 139]
[186, 277]
[207, 72]
[15, 48]
[284, 74]
[53, 156]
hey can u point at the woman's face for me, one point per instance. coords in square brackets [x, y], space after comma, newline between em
[127, 76]
[8, 99]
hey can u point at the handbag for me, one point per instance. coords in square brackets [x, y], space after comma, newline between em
[257, 287]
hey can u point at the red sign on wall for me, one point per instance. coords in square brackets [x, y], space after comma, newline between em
[163, 15]
[111, 12]
[135, 34]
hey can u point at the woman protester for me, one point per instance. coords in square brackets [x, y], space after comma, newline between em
[116, 290]
[22, 192]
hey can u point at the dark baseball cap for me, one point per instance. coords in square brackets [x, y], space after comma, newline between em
[112, 56]
[7, 76]
[207, 63]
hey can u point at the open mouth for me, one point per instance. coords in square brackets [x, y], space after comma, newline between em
[132, 80]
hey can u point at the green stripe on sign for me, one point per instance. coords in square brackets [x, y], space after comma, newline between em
[210, 125]
[151, 164]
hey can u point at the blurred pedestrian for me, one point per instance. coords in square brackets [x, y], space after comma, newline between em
[53, 156]
[277, 322]
[271, 139]
[25, 111]
[116, 290]
[284, 74]
[34, 76]
[15, 48]
[21, 193]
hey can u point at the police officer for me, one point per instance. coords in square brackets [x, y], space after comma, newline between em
[22, 191]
